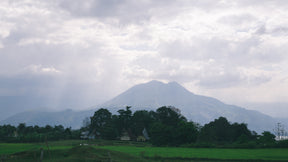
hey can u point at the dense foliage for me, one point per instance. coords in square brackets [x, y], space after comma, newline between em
[163, 127]
[23, 133]
[221, 131]
[167, 127]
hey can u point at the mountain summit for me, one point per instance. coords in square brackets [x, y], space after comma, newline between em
[197, 108]
[150, 95]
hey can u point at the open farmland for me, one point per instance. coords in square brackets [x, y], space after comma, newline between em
[119, 151]
[203, 153]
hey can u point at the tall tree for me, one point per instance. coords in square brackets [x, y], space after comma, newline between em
[171, 128]
[125, 118]
[267, 138]
[141, 120]
[99, 121]
[221, 131]
[169, 115]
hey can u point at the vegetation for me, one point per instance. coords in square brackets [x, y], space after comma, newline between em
[167, 127]
[107, 150]
[71, 154]
[202, 153]
[163, 127]
[23, 133]
[176, 138]
[220, 131]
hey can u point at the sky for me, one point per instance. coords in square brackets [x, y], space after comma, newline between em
[61, 54]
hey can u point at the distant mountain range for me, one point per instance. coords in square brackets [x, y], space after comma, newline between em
[194, 107]
[151, 96]
[67, 118]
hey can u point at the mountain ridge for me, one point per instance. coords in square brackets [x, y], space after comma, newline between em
[154, 94]
[66, 118]
[198, 108]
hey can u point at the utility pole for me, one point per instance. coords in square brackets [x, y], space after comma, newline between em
[279, 131]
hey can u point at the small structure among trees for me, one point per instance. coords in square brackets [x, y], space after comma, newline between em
[163, 127]
[125, 136]
[167, 127]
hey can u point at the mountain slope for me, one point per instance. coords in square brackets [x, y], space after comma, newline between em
[151, 96]
[197, 108]
[67, 118]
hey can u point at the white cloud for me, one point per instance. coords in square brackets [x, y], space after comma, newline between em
[99, 48]
[39, 69]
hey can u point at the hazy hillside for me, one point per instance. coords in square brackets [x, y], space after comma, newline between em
[67, 118]
[195, 107]
[151, 96]
[9, 105]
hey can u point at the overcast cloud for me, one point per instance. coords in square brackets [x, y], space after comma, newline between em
[75, 54]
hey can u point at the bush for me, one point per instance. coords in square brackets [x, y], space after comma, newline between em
[282, 144]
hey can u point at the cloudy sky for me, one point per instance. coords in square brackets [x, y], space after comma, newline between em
[78, 53]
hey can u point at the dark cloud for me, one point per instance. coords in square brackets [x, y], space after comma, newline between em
[199, 49]
[237, 20]
[278, 3]
[123, 10]
[220, 81]
[93, 7]
[231, 79]
[129, 11]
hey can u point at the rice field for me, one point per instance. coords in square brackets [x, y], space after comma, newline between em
[74, 151]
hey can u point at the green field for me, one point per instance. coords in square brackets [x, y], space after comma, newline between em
[11, 148]
[211, 153]
[61, 151]
[119, 151]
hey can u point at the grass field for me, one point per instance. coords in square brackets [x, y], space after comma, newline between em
[122, 151]
[210, 153]
[61, 151]
[11, 148]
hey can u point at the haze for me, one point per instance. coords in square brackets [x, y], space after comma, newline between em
[61, 54]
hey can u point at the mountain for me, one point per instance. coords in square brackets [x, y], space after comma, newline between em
[9, 105]
[67, 118]
[197, 108]
[150, 96]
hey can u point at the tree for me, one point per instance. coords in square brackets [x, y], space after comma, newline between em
[267, 138]
[240, 133]
[216, 131]
[21, 129]
[161, 134]
[141, 119]
[169, 115]
[99, 121]
[7, 132]
[221, 131]
[86, 124]
[48, 128]
[185, 132]
[125, 118]
[171, 128]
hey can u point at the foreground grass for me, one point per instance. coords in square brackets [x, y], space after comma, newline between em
[11, 148]
[75, 154]
[203, 153]
[122, 151]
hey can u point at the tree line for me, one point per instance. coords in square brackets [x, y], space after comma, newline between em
[23, 133]
[167, 127]
[163, 127]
